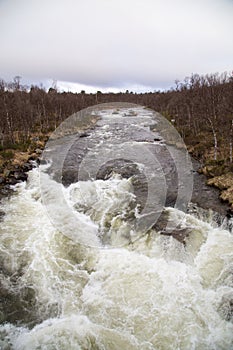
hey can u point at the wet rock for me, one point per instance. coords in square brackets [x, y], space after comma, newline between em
[225, 308]
[2, 180]
[2, 214]
[171, 197]
[4, 191]
[84, 134]
[164, 227]
[12, 181]
[125, 168]
[180, 234]
[13, 174]
[20, 176]
[69, 176]
[38, 151]
[18, 306]
[206, 196]
[158, 139]
[42, 161]
[162, 221]
[26, 167]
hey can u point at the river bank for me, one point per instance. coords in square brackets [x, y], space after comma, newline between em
[15, 163]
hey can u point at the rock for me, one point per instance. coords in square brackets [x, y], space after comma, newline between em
[225, 308]
[180, 234]
[20, 175]
[7, 173]
[12, 181]
[42, 161]
[158, 139]
[4, 191]
[15, 173]
[2, 180]
[1, 215]
[125, 168]
[38, 151]
[84, 134]
[33, 156]
[26, 167]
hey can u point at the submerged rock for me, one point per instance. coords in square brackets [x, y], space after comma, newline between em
[164, 227]
[180, 234]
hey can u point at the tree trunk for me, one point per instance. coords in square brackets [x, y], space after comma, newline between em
[215, 139]
[230, 145]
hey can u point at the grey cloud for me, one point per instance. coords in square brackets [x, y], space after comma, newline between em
[115, 42]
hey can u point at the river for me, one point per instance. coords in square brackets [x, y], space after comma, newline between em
[103, 247]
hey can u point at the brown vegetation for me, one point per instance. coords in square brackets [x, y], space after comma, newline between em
[200, 107]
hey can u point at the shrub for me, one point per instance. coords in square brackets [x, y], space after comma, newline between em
[7, 154]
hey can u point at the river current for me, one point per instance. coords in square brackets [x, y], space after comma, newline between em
[105, 286]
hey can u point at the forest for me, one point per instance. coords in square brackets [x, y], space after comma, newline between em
[200, 107]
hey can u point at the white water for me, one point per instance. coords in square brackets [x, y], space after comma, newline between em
[152, 294]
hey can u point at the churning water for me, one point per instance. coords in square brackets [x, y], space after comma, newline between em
[150, 293]
[154, 293]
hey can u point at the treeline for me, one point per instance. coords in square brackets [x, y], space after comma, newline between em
[200, 107]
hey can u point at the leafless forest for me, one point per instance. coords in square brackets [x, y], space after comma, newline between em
[200, 107]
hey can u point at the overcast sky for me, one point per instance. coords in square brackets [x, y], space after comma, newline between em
[114, 44]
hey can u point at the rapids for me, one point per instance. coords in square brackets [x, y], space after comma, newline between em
[102, 286]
